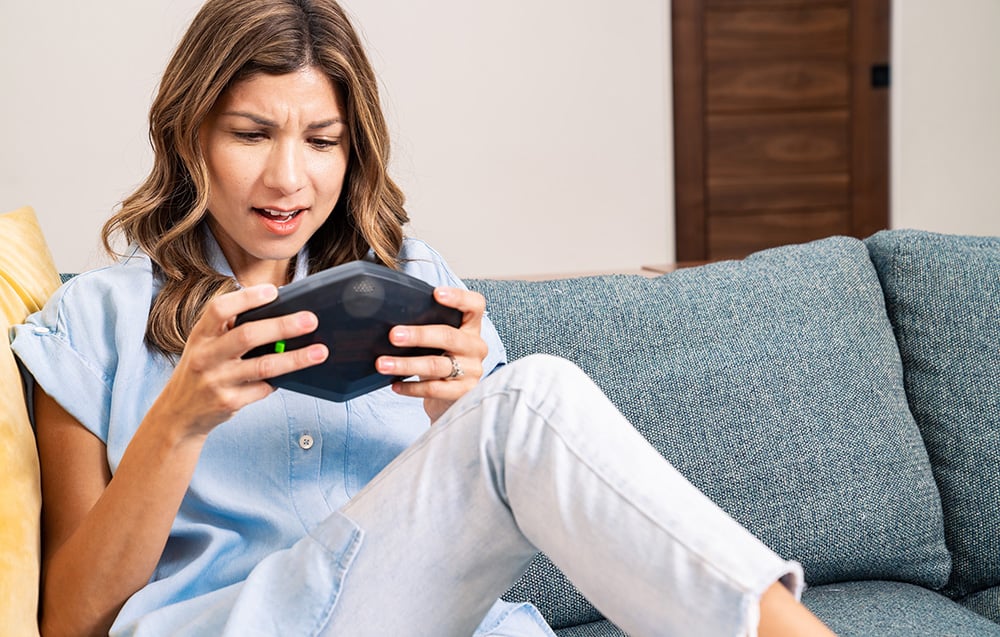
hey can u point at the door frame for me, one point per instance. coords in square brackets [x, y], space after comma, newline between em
[869, 126]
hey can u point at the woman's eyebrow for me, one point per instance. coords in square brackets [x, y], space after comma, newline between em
[325, 123]
[256, 119]
[263, 121]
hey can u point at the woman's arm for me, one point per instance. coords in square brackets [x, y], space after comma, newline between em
[781, 615]
[103, 535]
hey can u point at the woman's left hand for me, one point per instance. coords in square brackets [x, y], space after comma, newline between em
[445, 378]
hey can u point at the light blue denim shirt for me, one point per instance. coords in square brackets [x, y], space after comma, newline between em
[267, 477]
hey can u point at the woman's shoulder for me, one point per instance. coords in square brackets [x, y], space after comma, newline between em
[133, 265]
[419, 259]
[413, 248]
[121, 288]
[73, 346]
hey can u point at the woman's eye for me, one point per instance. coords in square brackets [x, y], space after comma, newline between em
[249, 136]
[324, 143]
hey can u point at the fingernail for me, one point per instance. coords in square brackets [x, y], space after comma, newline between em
[266, 291]
[443, 293]
[307, 319]
[316, 354]
[400, 334]
[386, 365]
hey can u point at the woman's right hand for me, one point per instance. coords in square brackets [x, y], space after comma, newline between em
[211, 381]
[104, 535]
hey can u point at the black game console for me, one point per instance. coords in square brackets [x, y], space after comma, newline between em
[357, 304]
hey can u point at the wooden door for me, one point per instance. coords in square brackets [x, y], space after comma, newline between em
[781, 122]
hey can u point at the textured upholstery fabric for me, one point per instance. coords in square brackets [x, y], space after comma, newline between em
[27, 278]
[893, 609]
[774, 384]
[602, 628]
[985, 602]
[943, 297]
[557, 599]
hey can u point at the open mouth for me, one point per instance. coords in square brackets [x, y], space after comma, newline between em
[280, 216]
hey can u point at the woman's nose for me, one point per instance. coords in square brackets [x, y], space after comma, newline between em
[286, 169]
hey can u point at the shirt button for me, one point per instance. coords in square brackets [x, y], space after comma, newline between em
[42, 330]
[306, 441]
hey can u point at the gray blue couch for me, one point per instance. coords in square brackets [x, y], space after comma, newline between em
[841, 399]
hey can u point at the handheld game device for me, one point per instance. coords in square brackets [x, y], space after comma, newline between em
[357, 303]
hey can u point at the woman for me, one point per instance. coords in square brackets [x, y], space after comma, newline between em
[183, 495]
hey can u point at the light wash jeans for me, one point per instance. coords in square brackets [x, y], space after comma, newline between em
[534, 458]
[538, 459]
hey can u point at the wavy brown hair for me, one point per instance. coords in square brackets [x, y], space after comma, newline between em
[230, 41]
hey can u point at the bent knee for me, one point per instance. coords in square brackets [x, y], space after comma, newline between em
[549, 371]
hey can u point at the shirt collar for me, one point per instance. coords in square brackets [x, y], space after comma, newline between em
[218, 261]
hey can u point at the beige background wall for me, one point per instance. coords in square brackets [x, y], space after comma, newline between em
[531, 137]
[946, 116]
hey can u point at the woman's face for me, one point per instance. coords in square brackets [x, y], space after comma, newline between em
[276, 147]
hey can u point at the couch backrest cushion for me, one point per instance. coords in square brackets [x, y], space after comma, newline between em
[943, 297]
[27, 278]
[774, 384]
[985, 602]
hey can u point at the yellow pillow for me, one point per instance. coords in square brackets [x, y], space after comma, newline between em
[25, 261]
[27, 278]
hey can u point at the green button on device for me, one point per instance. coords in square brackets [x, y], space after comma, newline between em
[279, 347]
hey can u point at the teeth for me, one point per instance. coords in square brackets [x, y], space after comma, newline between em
[278, 213]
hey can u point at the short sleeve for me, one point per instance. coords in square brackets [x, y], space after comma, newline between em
[71, 348]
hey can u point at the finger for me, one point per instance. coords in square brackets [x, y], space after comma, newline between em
[446, 390]
[428, 367]
[221, 311]
[246, 394]
[471, 304]
[468, 347]
[443, 337]
[271, 365]
[460, 342]
[246, 336]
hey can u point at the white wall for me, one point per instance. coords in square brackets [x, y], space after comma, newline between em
[531, 137]
[946, 116]
[76, 80]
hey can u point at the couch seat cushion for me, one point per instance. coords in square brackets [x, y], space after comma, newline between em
[774, 384]
[943, 297]
[602, 628]
[893, 609]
